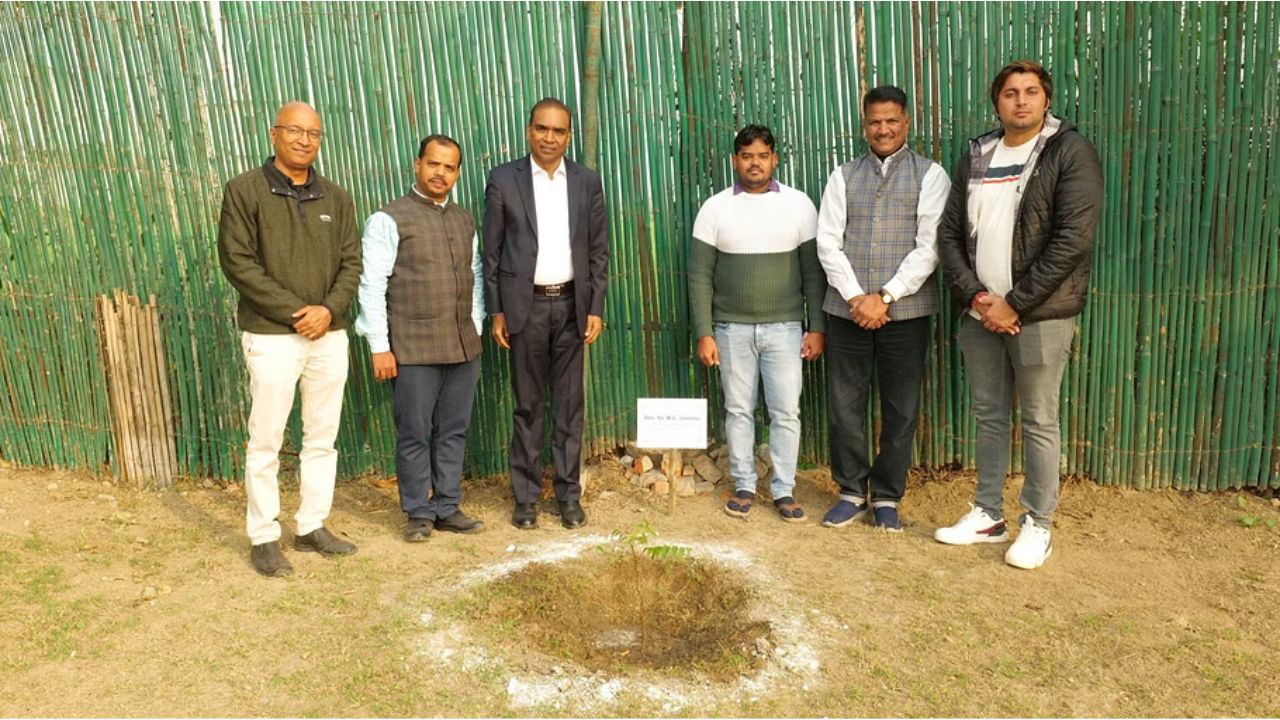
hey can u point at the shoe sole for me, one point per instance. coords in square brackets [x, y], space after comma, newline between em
[846, 523]
[977, 540]
[518, 526]
[573, 526]
[281, 572]
[327, 553]
[888, 529]
[737, 514]
[795, 520]
[1031, 567]
[468, 531]
[417, 537]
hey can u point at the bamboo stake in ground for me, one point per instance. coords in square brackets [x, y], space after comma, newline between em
[110, 353]
[156, 397]
[118, 377]
[591, 131]
[166, 408]
[149, 384]
[137, 406]
[672, 468]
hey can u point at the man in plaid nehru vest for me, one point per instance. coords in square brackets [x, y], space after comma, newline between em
[422, 309]
[877, 241]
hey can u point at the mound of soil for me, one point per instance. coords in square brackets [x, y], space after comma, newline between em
[626, 609]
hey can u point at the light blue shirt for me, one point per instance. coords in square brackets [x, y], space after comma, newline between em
[381, 243]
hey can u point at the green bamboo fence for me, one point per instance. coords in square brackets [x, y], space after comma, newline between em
[120, 122]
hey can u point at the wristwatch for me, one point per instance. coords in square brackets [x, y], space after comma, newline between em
[886, 297]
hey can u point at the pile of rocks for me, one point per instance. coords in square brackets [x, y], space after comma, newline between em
[689, 472]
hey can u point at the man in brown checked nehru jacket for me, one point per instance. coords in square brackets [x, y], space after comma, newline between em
[422, 308]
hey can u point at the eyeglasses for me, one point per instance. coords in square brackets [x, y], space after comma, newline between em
[293, 132]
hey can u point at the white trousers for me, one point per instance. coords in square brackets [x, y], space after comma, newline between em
[277, 364]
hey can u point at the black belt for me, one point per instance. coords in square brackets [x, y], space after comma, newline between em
[564, 288]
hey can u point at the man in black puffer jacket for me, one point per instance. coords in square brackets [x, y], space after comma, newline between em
[1015, 243]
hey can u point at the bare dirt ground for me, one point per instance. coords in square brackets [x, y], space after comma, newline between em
[124, 603]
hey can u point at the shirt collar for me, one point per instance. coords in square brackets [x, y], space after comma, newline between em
[738, 189]
[884, 164]
[416, 191]
[559, 171]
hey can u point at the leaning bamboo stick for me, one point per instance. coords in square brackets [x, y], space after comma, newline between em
[110, 319]
[156, 398]
[126, 451]
[143, 380]
[138, 389]
[107, 330]
[151, 392]
[166, 408]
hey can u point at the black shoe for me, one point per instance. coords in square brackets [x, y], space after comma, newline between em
[417, 530]
[526, 516]
[268, 560]
[322, 541]
[572, 515]
[459, 522]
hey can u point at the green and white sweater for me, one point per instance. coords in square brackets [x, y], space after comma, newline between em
[754, 260]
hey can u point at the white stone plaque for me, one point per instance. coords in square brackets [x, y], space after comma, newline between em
[676, 423]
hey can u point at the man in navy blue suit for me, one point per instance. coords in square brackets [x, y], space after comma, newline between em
[546, 265]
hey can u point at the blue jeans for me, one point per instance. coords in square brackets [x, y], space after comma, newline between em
[749, 353]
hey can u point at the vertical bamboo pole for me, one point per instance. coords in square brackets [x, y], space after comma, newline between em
[590, 132]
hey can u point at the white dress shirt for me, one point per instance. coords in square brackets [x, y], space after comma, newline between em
[551, 204]
[916, 267]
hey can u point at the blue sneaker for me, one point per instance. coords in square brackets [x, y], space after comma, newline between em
[885, 517]
[843, 513]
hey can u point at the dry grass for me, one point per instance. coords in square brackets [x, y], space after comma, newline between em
[1154, 604]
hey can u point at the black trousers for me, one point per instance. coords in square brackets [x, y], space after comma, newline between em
[547, 351]
[433, 412]
[897, 351]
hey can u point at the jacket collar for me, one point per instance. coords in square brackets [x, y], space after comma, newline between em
[983, 148]
[524, 180]
[280, 185]
[1053, 125]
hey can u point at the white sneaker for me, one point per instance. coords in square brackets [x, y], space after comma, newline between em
[975, 527]
[1032, 547]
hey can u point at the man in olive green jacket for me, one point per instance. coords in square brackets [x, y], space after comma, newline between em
[287, 241]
